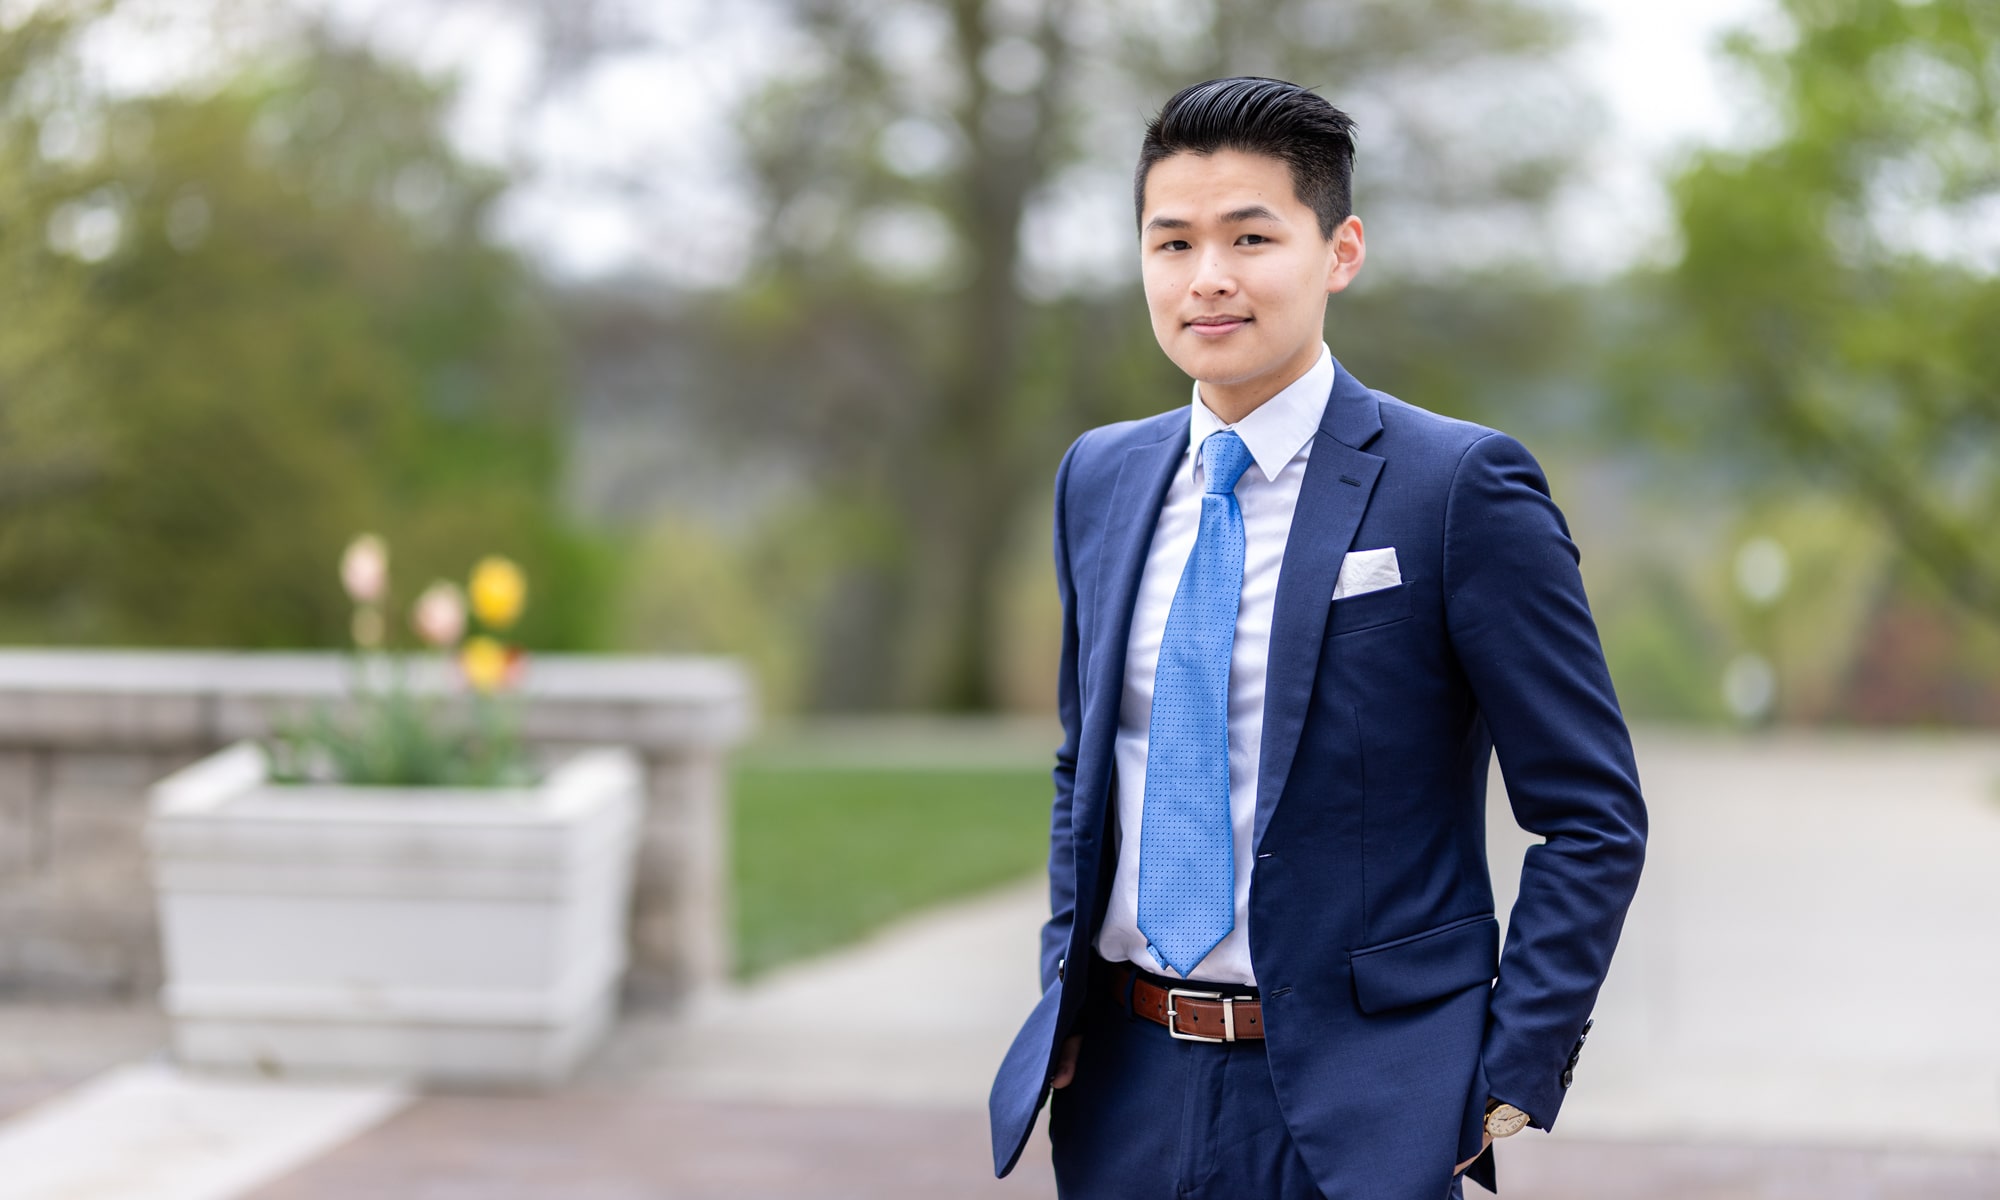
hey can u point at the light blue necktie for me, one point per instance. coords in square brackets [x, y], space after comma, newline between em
[1187, 861]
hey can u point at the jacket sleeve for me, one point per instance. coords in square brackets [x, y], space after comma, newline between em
[1062, 860]
[1522, 631]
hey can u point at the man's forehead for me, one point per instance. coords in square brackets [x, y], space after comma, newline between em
[1184, 188]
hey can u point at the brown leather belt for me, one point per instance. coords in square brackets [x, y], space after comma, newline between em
[1196, 1013]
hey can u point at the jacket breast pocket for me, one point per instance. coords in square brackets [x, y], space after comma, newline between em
[1351, 614]
[1426, 965]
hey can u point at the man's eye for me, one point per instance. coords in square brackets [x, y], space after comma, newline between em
[1177, 242]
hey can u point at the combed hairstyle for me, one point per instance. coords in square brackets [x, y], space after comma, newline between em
[1259, 116]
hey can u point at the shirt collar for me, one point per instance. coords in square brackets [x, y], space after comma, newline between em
[1276, 430]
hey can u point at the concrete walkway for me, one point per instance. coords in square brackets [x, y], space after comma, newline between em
[877, 1024]
[1803, 1005]
[1814, 953]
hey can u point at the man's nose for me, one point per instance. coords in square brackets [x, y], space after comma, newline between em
[1212, 275]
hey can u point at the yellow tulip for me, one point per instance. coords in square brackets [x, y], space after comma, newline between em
[488, 664]
[499, 591]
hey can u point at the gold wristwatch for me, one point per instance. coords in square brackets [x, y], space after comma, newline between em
[1504, 1120]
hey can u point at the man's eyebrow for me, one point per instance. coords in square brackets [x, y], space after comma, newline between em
[1256, 212]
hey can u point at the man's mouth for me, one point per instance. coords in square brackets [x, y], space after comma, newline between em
[1217, 326]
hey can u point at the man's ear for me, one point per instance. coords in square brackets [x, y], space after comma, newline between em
[1350, 250]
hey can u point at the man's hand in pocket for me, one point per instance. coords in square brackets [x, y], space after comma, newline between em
[1066, 1061]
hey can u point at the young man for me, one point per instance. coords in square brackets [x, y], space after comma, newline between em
[1298, 617]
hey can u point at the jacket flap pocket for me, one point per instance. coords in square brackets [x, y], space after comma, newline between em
[1426, 965]
[1366, 610]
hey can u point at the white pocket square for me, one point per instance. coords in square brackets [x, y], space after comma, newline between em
[1367, 571]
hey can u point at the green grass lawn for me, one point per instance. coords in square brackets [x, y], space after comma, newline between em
[825, 855]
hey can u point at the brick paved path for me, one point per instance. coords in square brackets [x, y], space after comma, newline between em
[614, 1146]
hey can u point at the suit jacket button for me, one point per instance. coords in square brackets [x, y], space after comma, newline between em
[1567, 1077]
[1059, 967]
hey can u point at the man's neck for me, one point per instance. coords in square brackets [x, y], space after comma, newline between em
[1232, 402]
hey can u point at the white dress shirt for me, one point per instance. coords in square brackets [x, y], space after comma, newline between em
[1279, 436]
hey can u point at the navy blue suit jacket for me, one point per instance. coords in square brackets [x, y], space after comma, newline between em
[1371, 915]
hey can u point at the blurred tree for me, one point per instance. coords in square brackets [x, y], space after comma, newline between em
[919, 329]
[1841, 280]
[245, 322]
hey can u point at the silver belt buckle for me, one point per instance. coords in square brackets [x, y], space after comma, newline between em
[1228, 1015]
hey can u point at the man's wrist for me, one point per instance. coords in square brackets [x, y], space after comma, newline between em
[1503, 1119]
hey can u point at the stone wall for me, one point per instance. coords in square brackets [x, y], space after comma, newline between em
[83, 733]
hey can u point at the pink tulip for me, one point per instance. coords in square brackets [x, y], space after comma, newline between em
[439, 614]
[364, 569]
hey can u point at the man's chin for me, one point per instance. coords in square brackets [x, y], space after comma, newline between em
[1211, 365]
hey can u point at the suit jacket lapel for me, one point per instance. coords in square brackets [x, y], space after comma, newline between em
[1135, 509]
[1340, 477]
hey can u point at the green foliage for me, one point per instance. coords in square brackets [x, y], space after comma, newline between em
[824, 855]
[244, 324]
[1840, 283]
[1672, 613]
[692, 591]
[1662, 649]
[399, 738]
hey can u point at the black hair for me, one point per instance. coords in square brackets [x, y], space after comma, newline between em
[1259, 116]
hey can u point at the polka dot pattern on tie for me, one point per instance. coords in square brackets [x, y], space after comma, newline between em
[1187, 863]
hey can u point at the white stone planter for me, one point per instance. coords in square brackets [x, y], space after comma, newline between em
[433, 934]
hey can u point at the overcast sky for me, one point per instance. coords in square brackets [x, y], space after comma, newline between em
[1651, 61]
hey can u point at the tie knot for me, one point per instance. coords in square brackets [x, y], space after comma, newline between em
[1224, 458]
